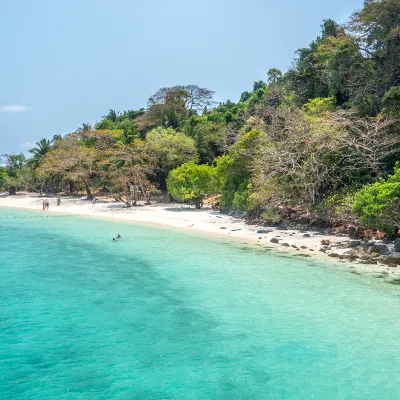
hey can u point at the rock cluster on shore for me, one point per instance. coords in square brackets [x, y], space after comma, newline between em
[367, 252]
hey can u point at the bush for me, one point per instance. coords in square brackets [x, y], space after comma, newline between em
[378, 204]
[338, 206]
[191, 181]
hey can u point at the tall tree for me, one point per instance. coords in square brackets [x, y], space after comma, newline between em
[39, 151]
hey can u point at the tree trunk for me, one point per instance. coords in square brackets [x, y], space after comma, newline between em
[119, 198]
[88, 192]
[198, 203]
[12, 190]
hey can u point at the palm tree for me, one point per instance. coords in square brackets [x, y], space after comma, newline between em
[41, 149]
[112, 116]
[86, 127]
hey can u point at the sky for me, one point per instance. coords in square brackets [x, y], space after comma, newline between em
[67, 62]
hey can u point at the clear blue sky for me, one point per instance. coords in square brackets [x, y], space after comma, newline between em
[65, 62]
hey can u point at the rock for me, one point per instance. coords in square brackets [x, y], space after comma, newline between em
[397, 245]
[353, 243]
[367, 262]
[366, 243]
[303, 247]
[223, 227]
[285, 244]
[325, 242]
[260, 237]
[377, 248]
[365, 257]
[323, 250]
[274, 240]
[294, 246]
[282, 227]
[354, 233]
[335, 255]
[389, 260]
[350, 257]
[310, 249]
[306, 235]
[352, 252]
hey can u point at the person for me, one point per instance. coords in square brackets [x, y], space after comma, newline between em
[58, 201]
[44, 204]
[47, 205]
[118, 236]
[93, 201]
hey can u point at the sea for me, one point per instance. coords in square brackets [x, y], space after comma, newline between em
[170, 314]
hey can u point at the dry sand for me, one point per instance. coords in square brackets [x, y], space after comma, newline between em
[205, 220]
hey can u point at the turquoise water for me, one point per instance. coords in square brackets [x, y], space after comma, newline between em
[161, 314]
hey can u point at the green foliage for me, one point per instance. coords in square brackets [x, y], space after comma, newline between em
[3, 176]
[375, 203]
[319, 106]
[391, 102]
[191, 181]
[210, 137]
[38, 152]
[106, 124]
[171, 148]
[339, 205]
[233, 174]
[274, 75]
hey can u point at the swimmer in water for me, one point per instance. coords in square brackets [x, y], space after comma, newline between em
[118, 236]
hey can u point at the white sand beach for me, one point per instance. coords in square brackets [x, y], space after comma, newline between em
[209, 221]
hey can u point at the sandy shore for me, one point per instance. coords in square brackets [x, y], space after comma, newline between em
[206, 220]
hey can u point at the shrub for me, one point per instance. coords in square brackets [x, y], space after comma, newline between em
[191, 181]
[378, 204]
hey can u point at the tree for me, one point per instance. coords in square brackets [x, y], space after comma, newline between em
[14, 164]
[169, 106]
[391, 103]
[378, 204]
[38, 152]
[131, 166]
[232, 171]
[198, 98]
[112, 116]
[274, 75]
[191, 181]
[171, 149]
[376, 30]
[3, 176]
[85, 127]
[370, 142]
[329, 28]
[73, 161]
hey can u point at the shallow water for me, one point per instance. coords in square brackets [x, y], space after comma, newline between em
[161, 314]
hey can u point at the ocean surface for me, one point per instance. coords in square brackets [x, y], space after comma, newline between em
[166, 314]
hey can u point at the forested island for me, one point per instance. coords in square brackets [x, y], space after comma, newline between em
[321, 140]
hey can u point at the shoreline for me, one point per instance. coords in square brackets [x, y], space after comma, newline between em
[210, 222]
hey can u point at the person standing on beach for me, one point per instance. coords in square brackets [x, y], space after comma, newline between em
[93, 201]
[44, 204]
[47, 205]
[58, 201]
